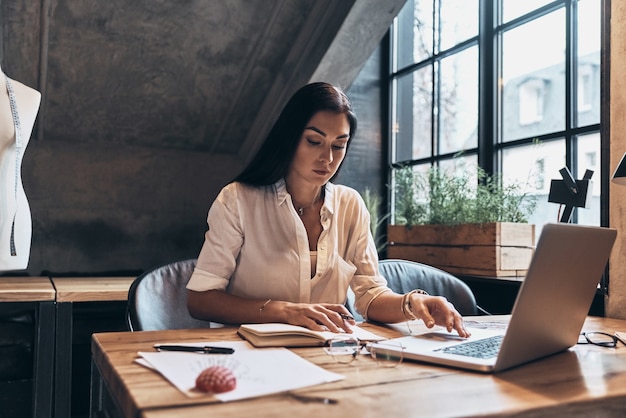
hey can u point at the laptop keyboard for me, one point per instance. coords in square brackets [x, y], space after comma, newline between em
[485, 348]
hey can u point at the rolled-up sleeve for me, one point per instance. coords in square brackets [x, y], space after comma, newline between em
[367, 284]
[222, 244]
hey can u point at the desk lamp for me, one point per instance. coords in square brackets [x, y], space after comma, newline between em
[571, 193]
[619, 176]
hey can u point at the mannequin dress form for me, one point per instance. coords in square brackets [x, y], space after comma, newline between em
[19, 105]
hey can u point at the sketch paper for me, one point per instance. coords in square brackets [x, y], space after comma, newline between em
[258, 371]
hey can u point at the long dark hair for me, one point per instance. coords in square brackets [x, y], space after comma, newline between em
[271, 162]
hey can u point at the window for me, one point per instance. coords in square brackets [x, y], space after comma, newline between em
[513, 86]
[530, 94]
[510, 85]
[540, 174]
[586, 85]
[435, 94]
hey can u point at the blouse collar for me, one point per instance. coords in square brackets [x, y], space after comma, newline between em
[280, 189]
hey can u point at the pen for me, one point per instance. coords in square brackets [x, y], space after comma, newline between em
[346, 317]
[194, 349]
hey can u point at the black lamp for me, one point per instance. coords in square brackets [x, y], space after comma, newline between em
[571, 193]
[619, 176]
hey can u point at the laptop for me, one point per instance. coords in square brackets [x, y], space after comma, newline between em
[548, 314]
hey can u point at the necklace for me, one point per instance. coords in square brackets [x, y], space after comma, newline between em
[300, 208]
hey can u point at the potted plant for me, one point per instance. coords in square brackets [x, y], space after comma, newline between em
[464, 224]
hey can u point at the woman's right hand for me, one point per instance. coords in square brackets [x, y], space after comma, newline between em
[218, 306]
[320, 316]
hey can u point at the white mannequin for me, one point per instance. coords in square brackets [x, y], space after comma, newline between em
[14, 209]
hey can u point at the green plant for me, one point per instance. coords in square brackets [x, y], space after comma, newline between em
[449, 198]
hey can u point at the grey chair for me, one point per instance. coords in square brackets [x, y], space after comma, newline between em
[403, 276]
[157, 299]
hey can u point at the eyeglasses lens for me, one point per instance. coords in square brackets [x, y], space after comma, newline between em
[387, 353]
[601, 338]
[343, 350]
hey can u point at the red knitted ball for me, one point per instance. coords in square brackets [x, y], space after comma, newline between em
[216, 379]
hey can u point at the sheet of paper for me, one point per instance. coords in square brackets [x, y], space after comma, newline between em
[237, 345]
[258, 371]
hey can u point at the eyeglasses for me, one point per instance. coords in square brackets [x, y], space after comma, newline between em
[346, 348]
[602, 339]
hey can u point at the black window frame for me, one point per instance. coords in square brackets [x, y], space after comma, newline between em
[489, 146]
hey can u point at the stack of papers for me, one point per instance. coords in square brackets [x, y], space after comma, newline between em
[258, 371]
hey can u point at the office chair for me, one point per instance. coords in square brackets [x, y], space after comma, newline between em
[403, 276]
[157, 299]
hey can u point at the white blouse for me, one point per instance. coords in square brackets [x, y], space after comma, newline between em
[257, 247]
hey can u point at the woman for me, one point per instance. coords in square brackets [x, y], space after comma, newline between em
[284, 243]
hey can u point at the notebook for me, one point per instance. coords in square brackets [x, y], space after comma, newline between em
[548, 314]
[287, 335]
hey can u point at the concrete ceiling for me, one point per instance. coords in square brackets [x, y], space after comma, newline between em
[197, 75]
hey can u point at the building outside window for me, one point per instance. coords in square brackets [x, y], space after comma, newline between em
[531, 95]
[512, 86]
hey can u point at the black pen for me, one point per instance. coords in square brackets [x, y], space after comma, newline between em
[195, 349]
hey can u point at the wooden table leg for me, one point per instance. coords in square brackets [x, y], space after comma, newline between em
[95, 391]
[101, 403]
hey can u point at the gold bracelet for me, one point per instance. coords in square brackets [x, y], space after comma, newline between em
[406, 307]
[263, 307]
[406, 304]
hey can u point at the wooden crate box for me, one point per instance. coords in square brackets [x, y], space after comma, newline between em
[491, 249]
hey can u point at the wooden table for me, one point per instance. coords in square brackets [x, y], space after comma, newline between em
[68, 291]
[583, 380]
[36, 293]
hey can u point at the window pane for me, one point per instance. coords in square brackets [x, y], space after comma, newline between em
[588, 62]
[533, 167]
[458, 107]
[468, 163]
[414, 33]
[398, 207]
[589, 159]
[533, 78]
[413, 115]
[459, 22]
[512, 9]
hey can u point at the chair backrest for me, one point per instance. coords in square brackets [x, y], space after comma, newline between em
[403, 276]
[157, 299]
